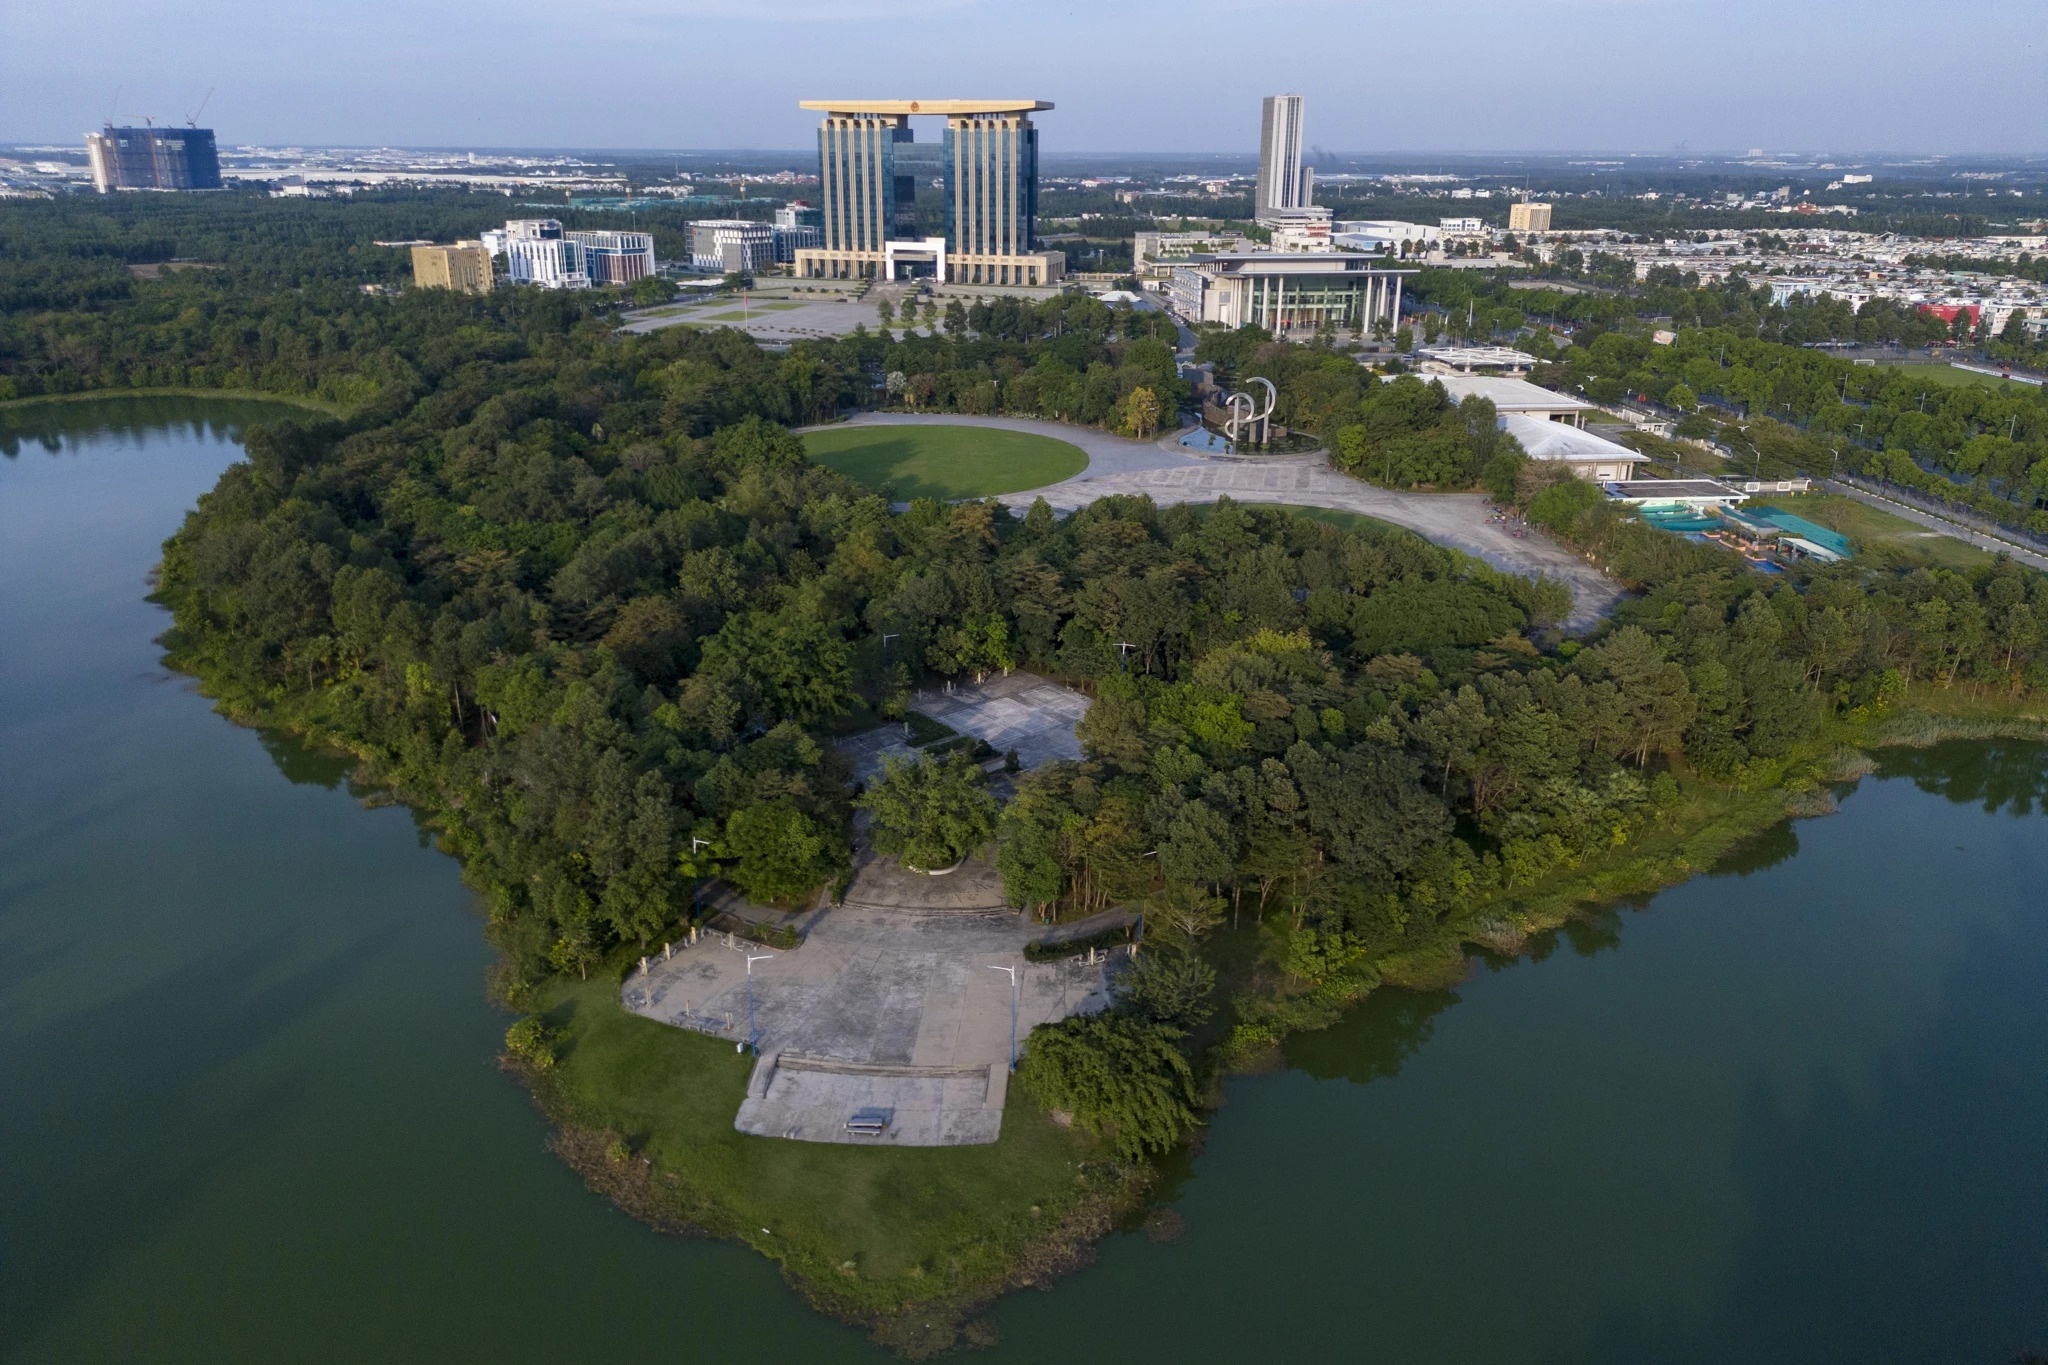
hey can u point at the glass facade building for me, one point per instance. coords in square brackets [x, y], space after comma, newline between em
[871, 172]
[153, 159]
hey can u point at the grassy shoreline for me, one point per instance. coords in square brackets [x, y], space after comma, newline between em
[908, 1243]
[912, 1244]
[320, 405]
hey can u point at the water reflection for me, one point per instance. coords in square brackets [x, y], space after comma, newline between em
[2000, 776]
[1766, 850]
[51, 427]
[1373, 1041]
[302, 766]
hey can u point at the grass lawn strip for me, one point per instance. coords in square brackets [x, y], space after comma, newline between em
[1948, 376]
[1349, 521]
[945, 462]
[1874, 529]
[864, 1232]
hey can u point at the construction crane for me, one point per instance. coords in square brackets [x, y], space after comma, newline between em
[192, 119]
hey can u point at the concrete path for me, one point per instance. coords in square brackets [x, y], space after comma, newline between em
[888, 1010]
[1458, 520]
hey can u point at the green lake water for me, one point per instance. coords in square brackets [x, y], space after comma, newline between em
[1794, 1111]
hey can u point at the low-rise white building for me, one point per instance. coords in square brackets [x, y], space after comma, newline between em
[1518, 397]
[1586, 454]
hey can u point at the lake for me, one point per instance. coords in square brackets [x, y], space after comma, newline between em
[1793, 1111]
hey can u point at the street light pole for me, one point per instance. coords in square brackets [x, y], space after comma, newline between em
[753, 1034]
[1013, 1012]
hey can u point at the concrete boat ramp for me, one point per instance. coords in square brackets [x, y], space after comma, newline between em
[891, 1023]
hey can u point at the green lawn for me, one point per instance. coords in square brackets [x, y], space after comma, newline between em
[880, 1225]
[945, 462]
[1878, 535]
[1948, 376]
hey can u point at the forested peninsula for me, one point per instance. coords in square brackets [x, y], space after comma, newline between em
[581, 599]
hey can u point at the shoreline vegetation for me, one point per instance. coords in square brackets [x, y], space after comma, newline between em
[681, 1169]
[599, 621]
[319, 405]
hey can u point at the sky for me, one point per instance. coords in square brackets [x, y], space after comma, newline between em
[1940, 76]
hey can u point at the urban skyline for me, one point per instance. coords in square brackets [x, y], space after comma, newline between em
[1669, 73]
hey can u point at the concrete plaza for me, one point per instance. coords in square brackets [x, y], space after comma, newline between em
[893, 1016]
[1020, 711]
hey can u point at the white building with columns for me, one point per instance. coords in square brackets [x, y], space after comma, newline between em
[1288, 292]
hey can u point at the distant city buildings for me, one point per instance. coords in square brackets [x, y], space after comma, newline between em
[1528, 217]
[538, 252]
[615, 257]
[731, 246]
[1810, 264]
[153, 159]
[465, 267]
[869, 168]
[797, 227]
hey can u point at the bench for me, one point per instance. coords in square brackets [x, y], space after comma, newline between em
[870, 1122]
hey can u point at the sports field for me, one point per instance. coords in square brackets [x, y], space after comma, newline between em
[943, 461]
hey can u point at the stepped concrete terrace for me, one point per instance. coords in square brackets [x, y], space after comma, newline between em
[1020, 711]
[887, 1025]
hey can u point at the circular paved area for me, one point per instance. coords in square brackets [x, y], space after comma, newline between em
[1118, 465]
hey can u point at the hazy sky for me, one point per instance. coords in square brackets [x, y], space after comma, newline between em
[1127, 75]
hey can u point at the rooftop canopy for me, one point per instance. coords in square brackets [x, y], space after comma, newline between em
[940, 107]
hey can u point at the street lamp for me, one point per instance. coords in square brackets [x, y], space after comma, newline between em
[753, 1035]
[1013, 1012]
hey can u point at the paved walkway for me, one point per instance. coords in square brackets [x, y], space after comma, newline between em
[888, 1010]
[1458, 520]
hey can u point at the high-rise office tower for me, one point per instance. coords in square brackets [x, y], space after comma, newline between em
[153, 159]
[869, 165]
[1282, 184]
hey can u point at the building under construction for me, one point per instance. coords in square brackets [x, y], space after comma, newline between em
[153, 159]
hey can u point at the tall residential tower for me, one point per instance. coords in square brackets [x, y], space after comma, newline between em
[1283, 183]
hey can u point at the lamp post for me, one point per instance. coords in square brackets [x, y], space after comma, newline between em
[753, 1035]
[1013, 1012]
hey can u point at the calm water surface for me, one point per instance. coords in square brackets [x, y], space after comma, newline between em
[1796, 1111]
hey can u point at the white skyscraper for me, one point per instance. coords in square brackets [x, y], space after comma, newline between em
[1282, 183]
